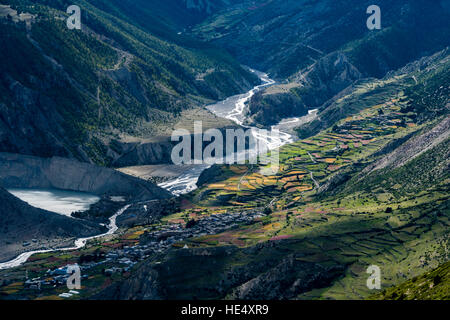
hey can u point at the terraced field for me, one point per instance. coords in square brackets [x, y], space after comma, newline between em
[433, 285]
[404, 233]
[309, 163]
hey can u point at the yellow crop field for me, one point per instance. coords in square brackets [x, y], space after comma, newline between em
[300, 189]
[217, 186]
[295, 172]
[231, 188]
[291, 184]
[270, 182]
[237, 203]
[238, 170]
[288, 179]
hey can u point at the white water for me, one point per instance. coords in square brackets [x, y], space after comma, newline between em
[234, 109]
[79, 243]
[59, 201]
[186, 182]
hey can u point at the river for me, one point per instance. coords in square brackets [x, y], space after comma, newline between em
[234, 109]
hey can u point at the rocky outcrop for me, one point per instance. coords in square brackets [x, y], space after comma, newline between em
[210, 175]
[268, 109]
[144, 285]
[33, 126]
[20, 171]
[23, 227]
[267, 272]
[288, 279]
[414, 147]
[147, 213]
[136, 153]
[313, 87]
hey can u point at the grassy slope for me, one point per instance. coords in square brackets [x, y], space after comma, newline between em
[432, 285]
[425, 88]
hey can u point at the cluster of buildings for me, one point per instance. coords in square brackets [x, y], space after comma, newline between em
[213, 224]
[52, 278]
[122, 260]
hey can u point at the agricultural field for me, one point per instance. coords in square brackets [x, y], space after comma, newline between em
[307, 164]
[433, 285]
[365, 223]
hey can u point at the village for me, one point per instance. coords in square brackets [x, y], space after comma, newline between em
[121, 260]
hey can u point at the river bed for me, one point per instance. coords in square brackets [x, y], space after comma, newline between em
[234, 109]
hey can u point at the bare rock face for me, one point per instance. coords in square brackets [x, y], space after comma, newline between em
[23, 225]
[28, 128]
[414, 147]
[131, 154]
[286, 280]
[20, 171]
[144, 285]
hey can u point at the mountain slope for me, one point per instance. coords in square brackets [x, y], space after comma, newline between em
[21, 171]
[432, 285]
[284, 37]
[425, 83]
[68, 92]
[325, 45]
